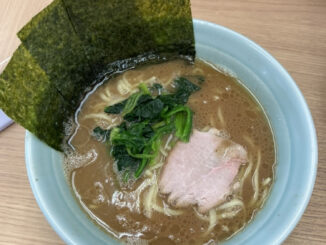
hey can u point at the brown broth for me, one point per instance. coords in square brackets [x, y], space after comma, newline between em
[222, 103]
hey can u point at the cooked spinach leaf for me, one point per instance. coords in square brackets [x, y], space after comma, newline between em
[122, 158]
[116, 108]
[183, 121]
[157, 88]
[134, 99]
[184, 88]
[148, 110]
[129, 104]
[147, 119]
[101, 134]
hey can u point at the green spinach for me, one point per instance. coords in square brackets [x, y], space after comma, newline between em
[136, 142]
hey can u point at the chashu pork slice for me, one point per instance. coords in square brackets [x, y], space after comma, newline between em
[201, 172]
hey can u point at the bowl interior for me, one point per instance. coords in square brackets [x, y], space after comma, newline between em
[290, 120]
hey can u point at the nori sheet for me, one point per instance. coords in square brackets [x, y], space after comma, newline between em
[71, 45]
[119, 29]
[30, 98]
[53, 43]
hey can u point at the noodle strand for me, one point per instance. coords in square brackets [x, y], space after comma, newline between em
[255, 179]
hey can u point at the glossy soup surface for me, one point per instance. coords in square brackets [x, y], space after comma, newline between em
[222, 103]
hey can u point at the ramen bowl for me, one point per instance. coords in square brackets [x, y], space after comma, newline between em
[291, 122]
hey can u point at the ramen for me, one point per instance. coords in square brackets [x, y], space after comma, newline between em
[156, 205]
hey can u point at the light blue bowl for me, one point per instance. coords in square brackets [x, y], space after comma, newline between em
[291, 122]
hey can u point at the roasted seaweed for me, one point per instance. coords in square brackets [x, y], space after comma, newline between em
[30, 98]
[120, 29]
[61, 54]
[72, 45]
